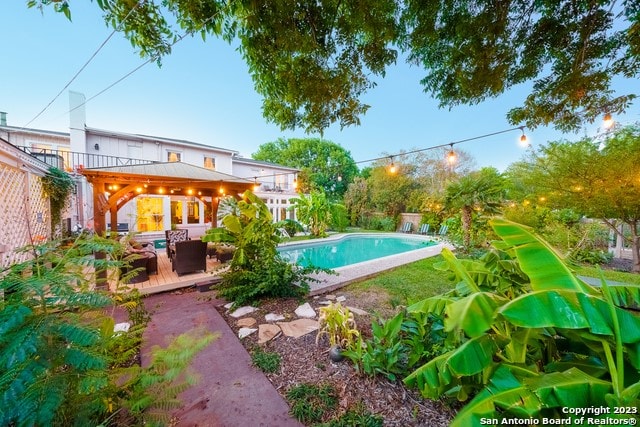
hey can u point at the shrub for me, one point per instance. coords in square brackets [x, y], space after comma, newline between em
[256, 270]
[266, 362]
[60, 360]
[338, 324]
[311, 403]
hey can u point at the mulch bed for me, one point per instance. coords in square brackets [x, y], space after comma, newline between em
[302, 361]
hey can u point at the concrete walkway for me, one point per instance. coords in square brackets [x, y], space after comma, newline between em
[231, 392]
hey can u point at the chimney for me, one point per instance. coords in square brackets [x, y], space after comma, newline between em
[3, 118]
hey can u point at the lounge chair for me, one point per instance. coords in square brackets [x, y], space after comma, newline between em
[174, 236]
[424, 229]
[407, 227]
[443, 230]
[189, 256]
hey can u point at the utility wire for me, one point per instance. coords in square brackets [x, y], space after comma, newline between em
[155, 58]
[83, 67]
[419, 150]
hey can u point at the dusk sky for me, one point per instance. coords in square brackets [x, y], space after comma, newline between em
[203, 93]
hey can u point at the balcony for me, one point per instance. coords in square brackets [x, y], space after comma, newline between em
[70, 161]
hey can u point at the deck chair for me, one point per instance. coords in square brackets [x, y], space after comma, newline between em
[424, 229]
[443, 230]
[406, 228]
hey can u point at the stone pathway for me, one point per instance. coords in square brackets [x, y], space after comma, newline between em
[305, 324]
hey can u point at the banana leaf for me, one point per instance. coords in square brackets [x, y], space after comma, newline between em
[626, 296]
[570, 310]
[435, 304]
[504, 392]
[537, 260]
[572, 388]
[474, 314]
[458, 268]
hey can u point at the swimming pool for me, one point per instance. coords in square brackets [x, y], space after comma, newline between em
[351, 249]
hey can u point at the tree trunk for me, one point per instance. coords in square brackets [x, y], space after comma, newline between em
[466, 226]
[635, 247]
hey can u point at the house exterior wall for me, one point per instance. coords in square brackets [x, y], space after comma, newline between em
[24, 207]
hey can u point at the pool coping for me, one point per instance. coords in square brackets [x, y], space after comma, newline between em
[366, 269]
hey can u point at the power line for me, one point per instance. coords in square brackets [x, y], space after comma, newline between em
[83, 67]
[419, 150]
[155, 58]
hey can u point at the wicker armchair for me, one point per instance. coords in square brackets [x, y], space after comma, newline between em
[189, 256]
[174, 236]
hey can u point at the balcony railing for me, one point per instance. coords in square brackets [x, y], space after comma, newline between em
[70, 160]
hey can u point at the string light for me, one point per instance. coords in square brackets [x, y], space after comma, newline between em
[607, 121]
[392, 167]
[451, 156]
[524, 142]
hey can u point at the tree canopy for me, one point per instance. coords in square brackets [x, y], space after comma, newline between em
[324, 165]
[312, 62]
[598, 178]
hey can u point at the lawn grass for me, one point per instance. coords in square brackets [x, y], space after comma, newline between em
[419, 280]
[618, 276]
[409, 283]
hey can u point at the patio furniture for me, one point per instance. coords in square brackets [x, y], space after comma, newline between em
[424, 229]
[189, 256]
[174, 236]
[144, 262]
[442, 231]
[407, 227]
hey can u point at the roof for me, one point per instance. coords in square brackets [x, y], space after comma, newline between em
[167, 171]
[135, 136]
[263, 163]
[16, 129]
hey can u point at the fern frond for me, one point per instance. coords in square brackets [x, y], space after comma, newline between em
[77, 334]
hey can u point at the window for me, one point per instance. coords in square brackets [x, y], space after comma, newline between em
[193, 216]
[174, 156]
[209, 162]
[149, 213]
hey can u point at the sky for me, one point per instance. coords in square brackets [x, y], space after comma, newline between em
[203, 93]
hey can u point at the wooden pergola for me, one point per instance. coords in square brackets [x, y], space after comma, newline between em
[114, 186]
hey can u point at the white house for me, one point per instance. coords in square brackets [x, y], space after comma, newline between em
[150, 214]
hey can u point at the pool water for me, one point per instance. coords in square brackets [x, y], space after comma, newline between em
[350, 249]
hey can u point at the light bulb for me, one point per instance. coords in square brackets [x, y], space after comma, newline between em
[607, 121]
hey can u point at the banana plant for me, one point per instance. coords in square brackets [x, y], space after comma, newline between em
[509, 348]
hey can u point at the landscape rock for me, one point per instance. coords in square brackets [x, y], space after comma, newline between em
[341, 298]
[228, 305]
[305, 311]
[357, 311]
[247, 322]
[272, 317]
[243, 311]
[121, 327]
[245, 332]
[299, 327]
[330, 297]
[267, 332]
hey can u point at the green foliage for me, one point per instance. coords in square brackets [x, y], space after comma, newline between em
[313, 63]
[526, 337]
[58, 186]
[256, 270]
[60, 360]
[356, 199]
[312, 403]
[325, 166]
[338, 324]
[594, 178]
[400, 344]
[313, 210]
[339, 219]
[265, 361]
[358, 416]
[378, 223]
[473, 195]
[291, 226]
